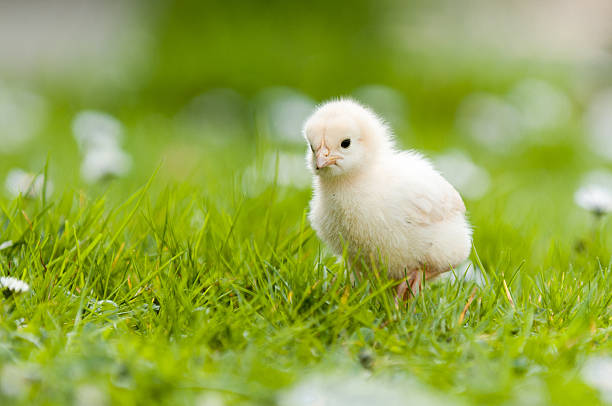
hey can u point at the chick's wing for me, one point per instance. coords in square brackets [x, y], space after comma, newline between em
[425, 196]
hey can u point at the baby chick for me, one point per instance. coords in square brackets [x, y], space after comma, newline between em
[389, 208]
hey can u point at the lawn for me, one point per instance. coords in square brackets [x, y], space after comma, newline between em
[186, 272]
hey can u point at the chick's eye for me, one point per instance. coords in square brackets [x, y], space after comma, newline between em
[345, 143]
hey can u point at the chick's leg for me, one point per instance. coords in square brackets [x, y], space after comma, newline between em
[415, 282]
[409, 287]
[400, 292]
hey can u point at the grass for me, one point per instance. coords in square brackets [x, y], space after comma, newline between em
[191, 291]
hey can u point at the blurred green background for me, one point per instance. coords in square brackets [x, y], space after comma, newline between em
[182, 75]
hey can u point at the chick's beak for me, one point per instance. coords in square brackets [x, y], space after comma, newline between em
[323, 159]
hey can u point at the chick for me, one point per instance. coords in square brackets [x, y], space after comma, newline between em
[389, 208]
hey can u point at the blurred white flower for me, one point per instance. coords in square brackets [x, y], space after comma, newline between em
[490, 120]
[219, 114]
[99, 136]
[595, 194]
[387, 102]
[104, 163]
[14, 381]
[6, 244]
[22, 114]
[289, 169]
[146, 308]
[285, 111]
[95, 129]
[470, 179]
[357, 391]
[597, 372]
[594, 198]
[89, 395]
[93, 304]
[542, 106]
[198, 219]
[598, 121]
[101, 305]
[209, 399]
[19, 182]
[14, 285]
[467, 272]
[20, 322]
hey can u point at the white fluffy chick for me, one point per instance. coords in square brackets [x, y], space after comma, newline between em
[388, 208]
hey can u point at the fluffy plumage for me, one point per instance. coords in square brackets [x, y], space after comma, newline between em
[389, 208]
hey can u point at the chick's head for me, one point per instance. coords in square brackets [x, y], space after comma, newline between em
[343, 137]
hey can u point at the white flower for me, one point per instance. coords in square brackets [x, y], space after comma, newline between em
[470, 179]
[198, 219]
[597, 372]
[99, 306]
[542, 106]
[6, 244]
[358, 391]
[285, 111]
[22, 114]
[19, 182]
[95, 129]
[209, 399]
[594, 198]
[598, 121]
[99, 136]
[93, 304]
[90, 395]
[490, 121]
[103, 163]
[8, 283]
[14, 381]
[595, 194]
